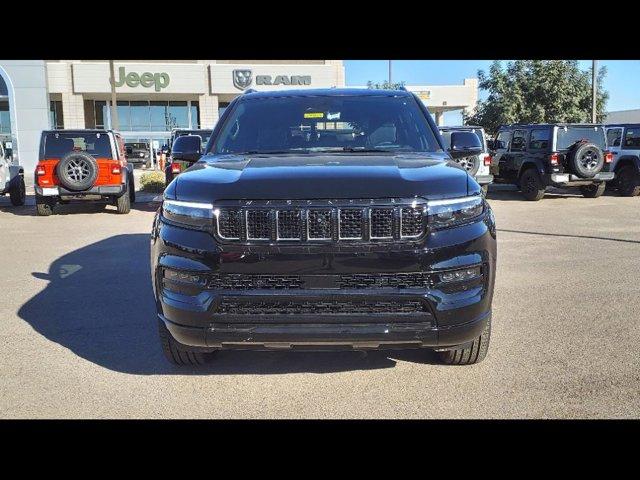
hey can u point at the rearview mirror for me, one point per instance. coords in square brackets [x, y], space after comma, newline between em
[187, 148]
[464, 144]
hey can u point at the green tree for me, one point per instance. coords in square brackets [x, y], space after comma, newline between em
[385, 85]
[537, 91]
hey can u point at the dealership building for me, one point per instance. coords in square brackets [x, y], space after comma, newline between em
[154, 97]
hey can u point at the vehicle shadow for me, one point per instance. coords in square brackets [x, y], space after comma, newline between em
[99, 304]
[510, 192]
[145, 204]
[589, 237]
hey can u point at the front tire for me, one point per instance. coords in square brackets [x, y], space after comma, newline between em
[628, 181]
[177, 353]
[43, 209]
[18, 193]
[531, 185]
[123, 202]
[475, 353]
[594, 190]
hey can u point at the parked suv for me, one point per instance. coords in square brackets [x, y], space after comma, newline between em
[83, 165]
[324, 219]
[476, 165]
[175, 166]
[624, 142]
[11, 179]
[137, 153]
[537, 156]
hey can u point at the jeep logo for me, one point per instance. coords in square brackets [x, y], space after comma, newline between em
[146, 79]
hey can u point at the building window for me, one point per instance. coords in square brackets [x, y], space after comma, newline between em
[56, 117]
[195, 115]
[145, 116]
[222, 106]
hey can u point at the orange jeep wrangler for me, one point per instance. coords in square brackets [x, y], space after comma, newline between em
[83, 165]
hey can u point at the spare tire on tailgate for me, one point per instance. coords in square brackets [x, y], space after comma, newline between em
[586, 159]
[77, 171]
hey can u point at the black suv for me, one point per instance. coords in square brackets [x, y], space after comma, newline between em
[324, 219]
[536, 156]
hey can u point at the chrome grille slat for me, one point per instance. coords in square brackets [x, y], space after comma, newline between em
[299, 222]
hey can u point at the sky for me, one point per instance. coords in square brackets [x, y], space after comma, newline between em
[622, 80]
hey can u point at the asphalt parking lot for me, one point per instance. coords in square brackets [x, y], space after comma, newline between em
[79, 332]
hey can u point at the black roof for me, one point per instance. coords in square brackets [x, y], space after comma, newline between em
[559, 124]
[81, 130]
[632, 125]
[460, 127]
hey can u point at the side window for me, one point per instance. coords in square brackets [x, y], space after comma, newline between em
[502, 142]
[632, 138]
[518, 144]
[614, 137]
[539, 139]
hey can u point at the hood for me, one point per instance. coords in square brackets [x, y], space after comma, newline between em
[334, 176]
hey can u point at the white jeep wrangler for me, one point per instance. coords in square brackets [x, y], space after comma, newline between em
[11, 179]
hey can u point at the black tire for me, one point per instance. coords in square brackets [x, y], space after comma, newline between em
[77, 171]
[475, 353]
[586, 159]
[18, 192]
[43, 209]
[628, 181]
[531, 185]
[123, 202]
[132, 190]
[177, 353]
[594, 190]
[168, 175]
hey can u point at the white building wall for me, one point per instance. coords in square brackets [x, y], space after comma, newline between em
[29, 105]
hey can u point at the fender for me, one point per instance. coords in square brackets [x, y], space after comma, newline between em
[536, 163]
[628, 160]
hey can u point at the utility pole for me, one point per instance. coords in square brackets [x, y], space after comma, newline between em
[389, 73]
[115, 123]
[594, 89]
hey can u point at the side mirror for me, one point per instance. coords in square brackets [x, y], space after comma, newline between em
[491, 144]
[464, 144]
[187, 148]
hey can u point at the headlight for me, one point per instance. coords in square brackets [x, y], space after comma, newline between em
[454, 211]
[188, 214]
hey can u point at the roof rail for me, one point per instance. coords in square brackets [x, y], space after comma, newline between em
[249, 90]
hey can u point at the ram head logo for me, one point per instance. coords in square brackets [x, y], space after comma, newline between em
[242, 79]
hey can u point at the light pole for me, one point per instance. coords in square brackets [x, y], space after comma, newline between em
[594, 90]
[115, 123]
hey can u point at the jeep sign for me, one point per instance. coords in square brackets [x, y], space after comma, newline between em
[146, 79]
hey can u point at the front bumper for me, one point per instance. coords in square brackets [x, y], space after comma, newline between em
[89, 194]
[569, 179]
[484, 179]
[447, 318]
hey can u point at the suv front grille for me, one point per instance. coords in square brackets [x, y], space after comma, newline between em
[240, 281]
[331, 307]
[334, 221]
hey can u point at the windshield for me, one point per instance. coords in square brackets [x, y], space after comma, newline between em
[326, 123]
[446, 136]
[57, 145]
[567, 136]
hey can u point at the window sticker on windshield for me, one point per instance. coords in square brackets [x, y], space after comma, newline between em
[333, 116]
[314, 115]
